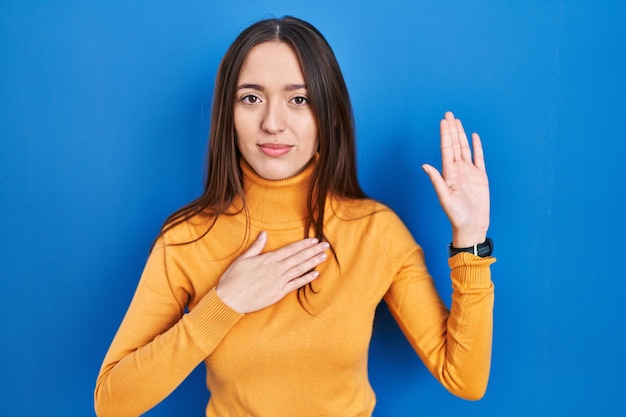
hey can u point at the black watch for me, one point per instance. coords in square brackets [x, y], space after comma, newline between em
[480, 249]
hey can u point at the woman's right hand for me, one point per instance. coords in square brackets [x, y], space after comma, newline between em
[256, 280]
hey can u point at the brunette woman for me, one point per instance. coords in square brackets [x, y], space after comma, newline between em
[272, 276]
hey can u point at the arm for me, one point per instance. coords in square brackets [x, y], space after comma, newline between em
[456, 345]
[157, 345]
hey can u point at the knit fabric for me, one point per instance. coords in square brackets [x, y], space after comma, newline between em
[288, 360]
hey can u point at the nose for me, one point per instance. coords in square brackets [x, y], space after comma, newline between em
[274, 119]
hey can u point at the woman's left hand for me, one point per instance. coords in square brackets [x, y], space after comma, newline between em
[462, 187]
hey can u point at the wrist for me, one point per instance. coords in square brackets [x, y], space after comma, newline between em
[467, 241]
[464, 237]
[227, 301]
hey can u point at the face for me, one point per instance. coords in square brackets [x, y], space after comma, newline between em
[274, 122]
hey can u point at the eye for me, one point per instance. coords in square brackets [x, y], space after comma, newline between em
[250, 99]
[300, 101]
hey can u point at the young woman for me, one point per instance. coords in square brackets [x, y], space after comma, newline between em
[272, 276]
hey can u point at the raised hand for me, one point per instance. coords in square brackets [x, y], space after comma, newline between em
[256, 280]
[462, 187]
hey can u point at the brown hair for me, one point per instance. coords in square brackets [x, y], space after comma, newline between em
[335, 171]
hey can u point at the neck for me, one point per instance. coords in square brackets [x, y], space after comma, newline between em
[278, 204]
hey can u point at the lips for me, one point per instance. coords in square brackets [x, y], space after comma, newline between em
[275, 149]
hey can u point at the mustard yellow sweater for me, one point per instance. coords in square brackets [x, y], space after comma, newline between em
[283, 361]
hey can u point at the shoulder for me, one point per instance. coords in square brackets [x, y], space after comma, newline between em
[354, 207]
[380, 231]
[351, 208]
[372, 214]
[185, 231]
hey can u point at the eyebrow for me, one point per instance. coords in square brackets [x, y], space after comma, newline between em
[288, 87]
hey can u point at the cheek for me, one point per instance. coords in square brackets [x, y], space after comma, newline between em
[315, 143]
[242, 129]
[315, 138]
[310, 132]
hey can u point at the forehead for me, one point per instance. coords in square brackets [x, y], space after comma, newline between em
[271, 62]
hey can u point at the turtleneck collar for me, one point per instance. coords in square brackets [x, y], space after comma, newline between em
[277, 204]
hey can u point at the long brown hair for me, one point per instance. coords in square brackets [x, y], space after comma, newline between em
[335, 171]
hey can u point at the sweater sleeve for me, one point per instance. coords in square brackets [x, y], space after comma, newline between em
[455, 344]
[157, 344]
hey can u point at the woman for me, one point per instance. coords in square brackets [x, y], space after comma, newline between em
[273, 275]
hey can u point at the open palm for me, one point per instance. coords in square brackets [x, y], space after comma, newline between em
[462, 186]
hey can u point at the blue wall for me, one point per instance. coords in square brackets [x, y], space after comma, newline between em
[104, 110]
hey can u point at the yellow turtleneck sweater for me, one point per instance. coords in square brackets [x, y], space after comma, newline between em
[282, 361]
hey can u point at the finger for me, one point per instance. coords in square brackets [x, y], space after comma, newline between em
[256, 248]
[447, 150]
[466, 153]
[300, 281]
[479, 157]
[305, 266]
[293, 248]
[454, 135]
[307, 258]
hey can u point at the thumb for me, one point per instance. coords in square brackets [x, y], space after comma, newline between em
[257, 246]
[441, 188]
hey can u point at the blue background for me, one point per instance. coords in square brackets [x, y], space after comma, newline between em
[104, 114]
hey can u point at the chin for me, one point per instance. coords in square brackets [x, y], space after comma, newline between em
[275, 169]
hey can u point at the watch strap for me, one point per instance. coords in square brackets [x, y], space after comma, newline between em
[480, 249]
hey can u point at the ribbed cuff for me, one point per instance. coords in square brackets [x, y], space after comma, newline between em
[213, 318]
[471, 271]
